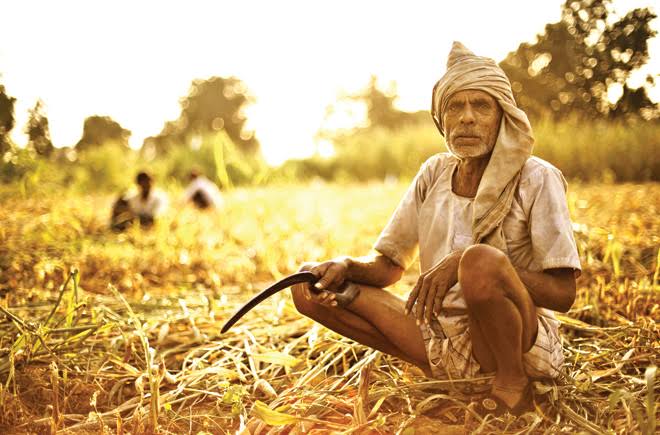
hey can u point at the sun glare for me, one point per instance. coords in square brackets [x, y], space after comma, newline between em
[296, 59]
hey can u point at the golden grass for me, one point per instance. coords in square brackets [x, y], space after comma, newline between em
[120, 332]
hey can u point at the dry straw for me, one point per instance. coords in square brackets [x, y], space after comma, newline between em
[89, 351]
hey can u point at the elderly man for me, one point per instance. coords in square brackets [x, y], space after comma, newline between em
[495, 244]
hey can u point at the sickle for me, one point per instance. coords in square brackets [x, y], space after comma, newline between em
[296, 278]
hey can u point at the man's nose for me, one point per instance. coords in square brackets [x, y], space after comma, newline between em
[467, 115]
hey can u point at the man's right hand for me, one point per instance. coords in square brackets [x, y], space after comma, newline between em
[331, 274]
[432, 286]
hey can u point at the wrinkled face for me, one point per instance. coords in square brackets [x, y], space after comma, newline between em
[472, 122]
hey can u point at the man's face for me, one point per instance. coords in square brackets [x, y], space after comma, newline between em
[472, 122]
[145, 185]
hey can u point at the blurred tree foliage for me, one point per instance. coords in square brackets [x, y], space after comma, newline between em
[6, 119]
[38, 131]
[391, 144]
[574, 63]
[99, 130]
[381, 115]
[212, 105]
[381, 112]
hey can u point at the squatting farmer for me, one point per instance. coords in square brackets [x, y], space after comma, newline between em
[145, 205]
[490, 225]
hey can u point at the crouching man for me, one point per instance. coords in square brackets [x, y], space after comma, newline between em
[491, 227]
[144, 206]
[202, 192]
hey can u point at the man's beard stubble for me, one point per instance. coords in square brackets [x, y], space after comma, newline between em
[469, 151]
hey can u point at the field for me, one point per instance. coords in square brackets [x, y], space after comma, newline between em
[120, 333]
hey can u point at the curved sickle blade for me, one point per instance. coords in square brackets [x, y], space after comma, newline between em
[296, 278]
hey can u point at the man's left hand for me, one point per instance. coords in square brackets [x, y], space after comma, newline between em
[432, 286]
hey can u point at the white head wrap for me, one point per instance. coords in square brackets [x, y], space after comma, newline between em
[514, 142]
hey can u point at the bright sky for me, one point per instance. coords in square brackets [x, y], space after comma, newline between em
[133, 60]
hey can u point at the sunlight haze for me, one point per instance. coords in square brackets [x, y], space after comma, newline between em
[133, 61]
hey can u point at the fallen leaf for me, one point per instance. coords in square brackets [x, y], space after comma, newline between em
[272, 417]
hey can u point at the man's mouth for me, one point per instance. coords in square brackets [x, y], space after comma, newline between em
[466, 140]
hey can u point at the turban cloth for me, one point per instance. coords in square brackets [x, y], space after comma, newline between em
[466, 71]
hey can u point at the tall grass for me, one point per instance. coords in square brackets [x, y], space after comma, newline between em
[599, 150]
[112, 167]
[586, 151]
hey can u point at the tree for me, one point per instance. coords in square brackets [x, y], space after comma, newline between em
[572, 66]
[633, 101]
[380, 111]
[211, 105]
[98, 130]
[6, 120]
[380, 107]
[38, 131]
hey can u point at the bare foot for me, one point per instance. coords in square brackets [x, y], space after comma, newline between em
[512, 392]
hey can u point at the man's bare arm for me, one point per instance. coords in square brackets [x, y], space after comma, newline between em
[375, 270]
[552, 288]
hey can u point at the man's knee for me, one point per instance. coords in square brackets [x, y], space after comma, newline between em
[480, 269]
[303, 305]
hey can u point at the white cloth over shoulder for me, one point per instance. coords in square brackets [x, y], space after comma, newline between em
[152, 206]
[203, 186]
[432, 221]
[467, 71]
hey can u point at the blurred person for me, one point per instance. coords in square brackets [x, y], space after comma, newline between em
[122, 216]
[491, 227]
[202, 192]
[145, 205]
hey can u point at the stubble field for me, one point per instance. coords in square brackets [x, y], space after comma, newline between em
[120, 333]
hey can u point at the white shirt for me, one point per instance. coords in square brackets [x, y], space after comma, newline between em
[207, 188]
[153, 205]
[433, 221]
